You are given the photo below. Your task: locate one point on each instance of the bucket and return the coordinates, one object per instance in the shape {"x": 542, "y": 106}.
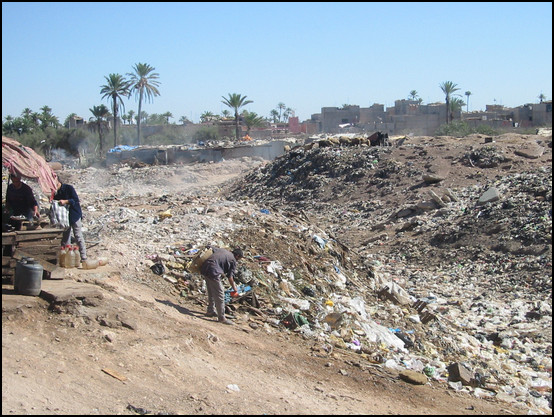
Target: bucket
{"x": 29, "y": 282}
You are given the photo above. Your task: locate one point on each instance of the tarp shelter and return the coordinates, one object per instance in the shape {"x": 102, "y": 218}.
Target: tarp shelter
{"x": 24, "y": 161}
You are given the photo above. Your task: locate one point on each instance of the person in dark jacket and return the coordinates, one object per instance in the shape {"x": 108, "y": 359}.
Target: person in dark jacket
{"x": 222, "y": 263}
{"x": 66, "y": 195}
{"x": 20, "y": 201}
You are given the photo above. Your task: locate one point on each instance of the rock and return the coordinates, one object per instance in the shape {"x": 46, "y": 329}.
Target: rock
{"x": 489, "y": 196}
{"x": 432, "y": 178}
{"x": 530, "y": 150}
{"x": 459, "y": 373}
{"x": 413, "y": 377}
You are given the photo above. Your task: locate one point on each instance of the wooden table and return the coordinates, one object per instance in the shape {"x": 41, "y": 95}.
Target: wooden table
{"x": 41, "y": 244}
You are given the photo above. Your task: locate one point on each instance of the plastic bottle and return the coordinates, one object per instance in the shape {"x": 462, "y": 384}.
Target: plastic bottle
{"x": 90, "y": 263}
{"x": 77, "y": 256}
{"x": 69, "y": 256}
{"x": 61, "y": 256}
{"x": 73, "y": 257}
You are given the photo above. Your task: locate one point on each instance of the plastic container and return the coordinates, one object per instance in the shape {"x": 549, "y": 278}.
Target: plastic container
{"x": 68, "y": 260}
{"x": 90, "y": 264}
{"x": 77, "y": 256}
{"x": 70, "y": 257}
{"x": 30, "y": 280}
{"x": 18, "y": 273}
{"x": 61, "y": 256}
{"x": 73, "y": 257}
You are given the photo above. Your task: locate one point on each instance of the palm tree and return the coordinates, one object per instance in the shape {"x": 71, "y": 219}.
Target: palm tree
{"x": 27, "y": 120}
{"x": 448, "y": 88}
{"x": 236, "y": 101}
{"x": 35, "y": 117}
{"x": 116, "y": 88}
{"x": 68, "y": 119}
{"x": 456, "y": 105}
{"x": 131, "y": 116}
{"x": 281, "y": 107}
{"x": 288, "y": 111}
{"x": 47, "y": 118}
{"x": 26, "y": 113}
{"x": 467, "y": 93}
{"x": 541, "y": 97}
{"x": 252, "y": 120}
{"x": 207, "y": 116}
{"x": 144, "y": 81}
{"x": 142, "y": 117}
{"x": 226, "y": 114}
{"x": 167, "y": 115}
{"x": 45, "y": 109}
{"x": 99, "y": 122}
{"x": 274, "y": 114}
{"x": 413, "y": 95}
{"x": 7, "y": 125}
{"x": 184, "y": 120}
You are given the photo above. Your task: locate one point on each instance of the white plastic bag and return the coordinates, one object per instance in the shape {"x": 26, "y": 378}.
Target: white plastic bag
{"x": 59, "y": 215}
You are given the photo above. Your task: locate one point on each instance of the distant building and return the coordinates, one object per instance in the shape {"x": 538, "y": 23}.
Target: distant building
{"x": 226, "y": 127}
{"x": 294, "y": 125}
{"x": 410, "y": 116}
{"x": 76, "y": 121}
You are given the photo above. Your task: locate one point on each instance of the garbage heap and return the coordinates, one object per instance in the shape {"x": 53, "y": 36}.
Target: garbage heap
{"x": 450, "y": 324}
{"x": 455, "y": 286}
{"x": 462, "y": 291}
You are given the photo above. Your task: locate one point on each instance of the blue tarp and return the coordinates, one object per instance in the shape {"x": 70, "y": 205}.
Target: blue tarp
{"x": 121, "y": 148}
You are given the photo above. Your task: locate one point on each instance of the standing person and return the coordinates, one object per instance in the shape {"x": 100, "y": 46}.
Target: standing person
{"x": 221, "y": 263}
{"x": 66, "y": 195}
{"x": 20, "y": 200}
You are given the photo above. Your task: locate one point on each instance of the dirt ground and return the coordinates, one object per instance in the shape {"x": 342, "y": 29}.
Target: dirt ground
{"x": 135, "y": 346}
{"x": 175, "y": 361}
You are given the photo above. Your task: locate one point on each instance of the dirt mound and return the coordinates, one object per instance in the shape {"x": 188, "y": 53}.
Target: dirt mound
{"x": 426, "y": 193}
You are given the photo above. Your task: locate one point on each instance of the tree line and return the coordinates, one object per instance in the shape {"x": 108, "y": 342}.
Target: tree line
{"x": 143, "y": 83}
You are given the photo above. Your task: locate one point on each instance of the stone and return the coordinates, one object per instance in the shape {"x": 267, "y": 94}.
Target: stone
{"x": 413, "y": 377}
{"x": 459, "y": 373}
{"x": 489, "y": 196}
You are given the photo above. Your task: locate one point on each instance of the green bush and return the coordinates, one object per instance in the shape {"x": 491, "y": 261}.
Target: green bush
{"x": 486, "y": 130}
{"x": 205, "y": 134}
{"x": 460, "y": 129}
{"x": 41, "y": 141}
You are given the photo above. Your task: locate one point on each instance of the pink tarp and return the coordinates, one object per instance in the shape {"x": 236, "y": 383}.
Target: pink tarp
{"x": 25, "y": 162}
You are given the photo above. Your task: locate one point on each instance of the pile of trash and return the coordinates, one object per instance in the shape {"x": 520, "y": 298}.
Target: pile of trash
{"x": 450, "y": 325}
{"x": 466, "y": 278}
{"x": 455, "y": 287}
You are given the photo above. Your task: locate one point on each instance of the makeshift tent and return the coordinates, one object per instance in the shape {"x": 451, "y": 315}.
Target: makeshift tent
{"x": 24, "y": 161}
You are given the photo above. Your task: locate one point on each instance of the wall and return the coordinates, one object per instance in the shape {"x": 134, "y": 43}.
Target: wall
{"x": 172, "y": 154}
{"x": 332, "y": 117}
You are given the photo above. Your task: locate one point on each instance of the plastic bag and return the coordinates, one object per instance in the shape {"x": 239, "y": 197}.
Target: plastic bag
{"x": 59, "y": 215}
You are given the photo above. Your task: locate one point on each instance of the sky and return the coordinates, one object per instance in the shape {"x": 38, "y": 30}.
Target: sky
{"x": 306, "y": 55}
